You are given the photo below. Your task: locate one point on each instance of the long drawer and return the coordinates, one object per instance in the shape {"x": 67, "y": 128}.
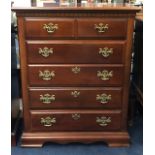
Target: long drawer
{"x": 75, "y": 120}
{"x": 79, "y": 98}
{"x": 79, "y": 51}
{"x": 49, "y": 27}
{"x": 75, "y": 75}
{"x": 105, "y": 28}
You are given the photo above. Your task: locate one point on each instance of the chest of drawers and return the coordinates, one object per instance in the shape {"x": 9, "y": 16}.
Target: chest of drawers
{"x": 75, "y": 67}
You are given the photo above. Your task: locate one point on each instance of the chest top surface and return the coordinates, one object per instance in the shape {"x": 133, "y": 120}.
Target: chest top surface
{"x": 75, "y": 7}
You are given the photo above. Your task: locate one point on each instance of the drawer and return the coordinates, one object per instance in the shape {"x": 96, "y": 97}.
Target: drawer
{"x": 75, "y": 75}
{"x": 75, "y": 98}
{"x": 48, "y": 27}
{"x": 75, "y": 120}
{"x": 107, "y": 28}
{"x": 72, "y": 51}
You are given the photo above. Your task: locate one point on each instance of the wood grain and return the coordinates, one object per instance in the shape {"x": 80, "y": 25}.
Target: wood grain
{"x": 76, "y": 51}
{"x": 112, "y": 139}
{"x": 65, "y": 121}
{"x": 116, "y": 28}
{"x": 86, "y": 98}
{"x": 64, "y": 76}
{"x": 34, "y": 28}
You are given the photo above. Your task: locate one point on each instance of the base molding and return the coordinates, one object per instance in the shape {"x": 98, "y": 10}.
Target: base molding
{"x": 112, "y": 139}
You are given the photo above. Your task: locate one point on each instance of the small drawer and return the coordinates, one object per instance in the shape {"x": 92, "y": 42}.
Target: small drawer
{"x": 76, "y": 51}
{"x": 48, "y": 28}
{"x": 75, "y": 120}
{"x": 69, "y": 98}
{"x": 107, "y": 28}
{"x": 75, "y": 75}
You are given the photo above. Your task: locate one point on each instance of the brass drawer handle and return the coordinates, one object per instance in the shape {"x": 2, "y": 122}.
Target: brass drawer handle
{"x": 105, "y": 52}
{"x": 103, "y": 98}
{"x": 50, "y": 28}
{"x": 48, "y": 121}
{"x": 76, "y": 116}
{"x": 104, "y": 75}
{"x": 46, "y": 75}
{"x": 47, "y": 98}
{"x": 75, "y": 93}
{"x": 45, "y": 52}
{"x": 103, "y": 121}
{"x": 101, "y": 27}
{"x": 76, "y": 70}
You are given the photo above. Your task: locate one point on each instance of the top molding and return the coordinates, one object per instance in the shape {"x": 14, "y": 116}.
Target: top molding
{"x": 119, "y": 7}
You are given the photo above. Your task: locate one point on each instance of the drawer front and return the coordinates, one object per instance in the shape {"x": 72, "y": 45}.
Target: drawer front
{"x": 113, "y": 28}
{"x": 48, "y": 28}
{"x": 76, "y": 98}
{"x": 75, "y": 51}
{"x": 75, "y": 120}
{"x": 75, "y": 75}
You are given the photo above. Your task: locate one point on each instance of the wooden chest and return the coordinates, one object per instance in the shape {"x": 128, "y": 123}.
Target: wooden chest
{"x": 75, "y": 69}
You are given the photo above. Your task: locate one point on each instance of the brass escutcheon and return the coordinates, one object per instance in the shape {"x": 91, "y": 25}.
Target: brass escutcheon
{"x": 48, "y": 121}
{"x": 45, "y": 52}
{"x": 50, "y": 28}
{"x": 75, "y": 93}
{"x": 76, "y": 116}
{"x": 104, "y": 75}
{"x": 105, "y": 52}
{"x": 47, "y": 98}
{"x": 101, "y": 27}
{"x": 103, "y": 98}
{"x": 46, "y": 75}
{"x": 103, "y": 121}
{"x": 76, "y": 70}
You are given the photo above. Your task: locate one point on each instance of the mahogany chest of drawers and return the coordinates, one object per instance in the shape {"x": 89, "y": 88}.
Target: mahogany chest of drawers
{"x": 75, "y": 67}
